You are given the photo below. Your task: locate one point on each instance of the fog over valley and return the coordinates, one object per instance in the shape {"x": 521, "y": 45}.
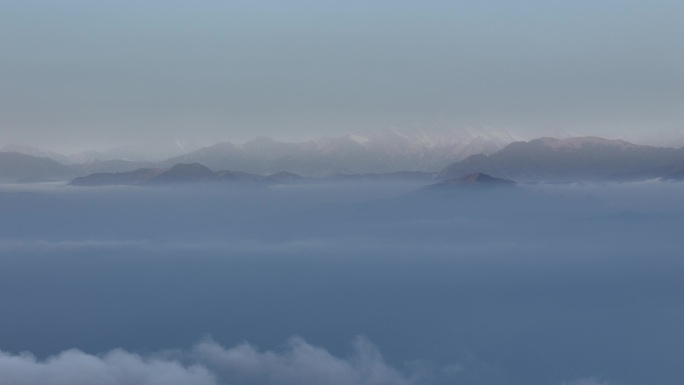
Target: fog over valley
{"x": 384, "y": 192}
{"x": 354, "y": 282}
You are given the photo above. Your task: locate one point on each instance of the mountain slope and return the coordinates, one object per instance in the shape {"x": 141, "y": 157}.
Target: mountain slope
{"x": 375, "y": 151}
{"x": 135, "y": 177}
{"x": 550, "y": 159}
{"x": 17, "y": 167}
{"x": 476, "y": 184}
{"x": 475, "y": 180}
{"x": 179, "y": 174}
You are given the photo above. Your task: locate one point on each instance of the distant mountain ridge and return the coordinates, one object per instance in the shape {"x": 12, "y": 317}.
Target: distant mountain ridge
{"x": 573, "y": 159}
{"x": 476, "y": 179}
{"x": 385, "y": 156}
{"x": 375, "y": 151}
{"x": 182, "y": 173}
{"x": 192, "y": 173}
{"x": 142, "y": 152}
{"x": 372, "y": 151}
{"x": 18, "y": 167}
{"x": 475, "y": 183}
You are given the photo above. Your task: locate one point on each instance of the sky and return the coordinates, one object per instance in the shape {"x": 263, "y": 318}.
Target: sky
{"x": 83, "y": 74}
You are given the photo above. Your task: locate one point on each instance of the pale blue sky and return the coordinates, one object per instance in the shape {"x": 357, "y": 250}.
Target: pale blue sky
{"x": 79, "y": 74}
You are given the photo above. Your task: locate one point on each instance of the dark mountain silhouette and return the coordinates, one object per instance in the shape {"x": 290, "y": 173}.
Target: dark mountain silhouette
{"x": 544, "y": 159}
{"x": 562, "y": 160}
{"x": 111, "y": 166}
{"x": 17, "y": 167}
{"x": 475, "y": 180}
{"x": 465, "y": 196}
{"x": 476, "y": 184}
{"x": 178, "y": 174}
{"x": 476, "y": 188}
{"x": 136, "y": 177}
{"x": 184, "y": 173}
{"x": 198, "y": 173}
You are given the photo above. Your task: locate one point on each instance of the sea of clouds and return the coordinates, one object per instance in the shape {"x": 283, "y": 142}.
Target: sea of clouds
{"x": 547, "y": 284}
{"x": 207, "y": 363}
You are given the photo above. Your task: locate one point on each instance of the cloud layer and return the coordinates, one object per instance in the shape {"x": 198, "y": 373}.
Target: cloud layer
{"x": 547, "y": 287}
{"x": 208, "y": 363}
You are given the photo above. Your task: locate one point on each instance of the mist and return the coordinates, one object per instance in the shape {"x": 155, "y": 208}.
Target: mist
{"x": 342, "y": 283}
{"x": 82, "y": 76}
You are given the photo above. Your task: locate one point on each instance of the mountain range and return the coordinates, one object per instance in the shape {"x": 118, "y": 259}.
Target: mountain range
{"x": 185, "y": 173}
{"x": 139, "y": 153}
{"x": 378, "y": 155}
{"x": 181, "y": 173}
{"x": 374, "y": 151}
{"x": 18, "y": 167}
{"x": 573, "y": 159}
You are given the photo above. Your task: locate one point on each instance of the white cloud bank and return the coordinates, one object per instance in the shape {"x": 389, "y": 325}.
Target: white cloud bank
{"x": 74, "y": 367}
{"x": 207, "y": 364}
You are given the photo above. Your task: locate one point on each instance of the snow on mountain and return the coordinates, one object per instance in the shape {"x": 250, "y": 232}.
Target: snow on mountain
{"x": 372, "y": 151}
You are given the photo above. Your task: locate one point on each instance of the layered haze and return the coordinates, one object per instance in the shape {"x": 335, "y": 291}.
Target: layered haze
{"x": 341, "y": 193}
{"x": 82, "y": 75}
{"x": 343, "y": 283}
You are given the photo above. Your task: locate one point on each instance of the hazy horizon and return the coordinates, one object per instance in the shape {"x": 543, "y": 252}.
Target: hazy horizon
{"x": 414, "y": 252}
{"x": 190, "y": 143}
{"x": 82, "y": 75}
